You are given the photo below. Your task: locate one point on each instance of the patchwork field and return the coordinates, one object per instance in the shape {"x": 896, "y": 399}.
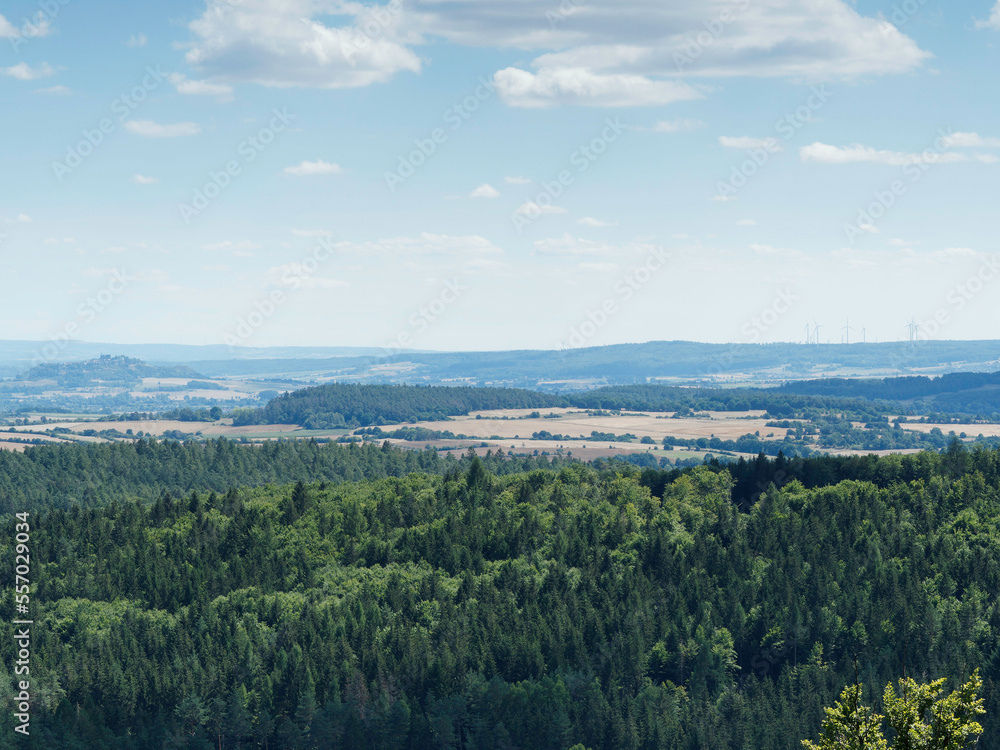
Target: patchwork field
{"x": 561, "y": 431}
{"x": 577, "y": 424}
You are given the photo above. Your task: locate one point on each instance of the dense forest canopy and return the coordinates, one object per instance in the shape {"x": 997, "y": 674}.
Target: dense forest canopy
{"x": 720, "y": 607}
{"x": 348, "y": 404}
{"x": 105, "y": 369}
{"x": 61, "y": 476}
{"x": 353, "y": 405}
{"x": 960, "y": 392}
{"x": 341, "y": 405}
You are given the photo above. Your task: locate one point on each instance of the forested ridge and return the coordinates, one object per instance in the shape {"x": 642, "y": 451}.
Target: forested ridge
{"x": 60, "y": 476}
{"x": 896, "y": 389}
{"x": 351, "y": 405}
{"x": 479, "y": 608}
{"x": 348, "y": 404}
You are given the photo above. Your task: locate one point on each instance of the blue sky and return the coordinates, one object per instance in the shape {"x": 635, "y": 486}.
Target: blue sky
{"x": 474, "y": 174}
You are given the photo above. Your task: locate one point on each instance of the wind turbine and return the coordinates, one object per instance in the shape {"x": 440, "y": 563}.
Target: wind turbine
{"x": 847, "y": 331}
{"x": 914, "y": 327}
{"x": 816, "y": 327}
{"x": 808, "y": 335}
{"x": 864, "y": 335}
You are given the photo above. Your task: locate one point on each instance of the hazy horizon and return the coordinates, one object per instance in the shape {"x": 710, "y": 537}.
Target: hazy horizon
{"x": 420, "y": 171}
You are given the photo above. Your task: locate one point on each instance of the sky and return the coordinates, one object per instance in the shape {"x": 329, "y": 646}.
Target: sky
{"x": 498, "y": 174}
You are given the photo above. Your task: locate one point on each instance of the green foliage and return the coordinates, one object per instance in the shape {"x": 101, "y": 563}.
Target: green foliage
{"x": 923, "y": 720}
{"x": 350, "y": 405}
{"x": 95, "y": 474}
{"x": 493, "y": 604}
{"x": 850, "y": 725}
{"x": 920, "y": 718}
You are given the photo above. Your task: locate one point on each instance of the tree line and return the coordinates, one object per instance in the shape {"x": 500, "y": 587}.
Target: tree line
{"x": 490, "y": 606}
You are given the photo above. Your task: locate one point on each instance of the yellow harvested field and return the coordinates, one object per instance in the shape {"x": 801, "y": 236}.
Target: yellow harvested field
{"x": 18, "y": 447}
{"x": 158, "y": 427}
{"x": 972, "y": 430}
{"x": 727, "y": 426}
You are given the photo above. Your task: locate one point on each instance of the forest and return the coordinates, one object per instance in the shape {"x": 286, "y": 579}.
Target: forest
{"x": 104, "y": 369}
{"x": 975, "y": 393}
{"x": 350, "y": 405}
{"x": 341, "y": 405}
{"x": 323, "y": 596}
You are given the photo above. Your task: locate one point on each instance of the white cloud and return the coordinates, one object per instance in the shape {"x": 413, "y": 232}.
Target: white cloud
{"x": 426, "y": 243}
{"x": 746, "y": 223}
{"x": 770, "y": 250}
{"x": 533, "y": 209}
{"x": 900, "y": 242}
{"x": 677, "y": 125}
{"x": 31, "y": 29}
{"x": 598, "y": 267}
{"x": 282, "y": 43}
{"x": 485, "y": 191}
{"x": 229, "y": 245}
{"x": 94, "y": 271}
{"x": 822, "y": 153}
{"x": 614, "y": 53}
{"x": 24, "y": 218}
{"x": 300, "y": 276}
{"x": 310, "y": 168}
{"x": 986, "y": 158}
{"x": 969, "y": 140}
{"x": 139, "y": 179}
{"x": 568, "y": 245}
{"x": 7, "y": 30}
{"x": 746, "y": 141}
{"x": 137, "y": 40}
{"x": 150, "y": 129}
{"x": 549, "y": 87}
{"x": 993, "y": 22}
{"x": 221, "y": 91}
{"x": 24, "y": 72}
{"x": 634, "y": 45}
{"x": 590, "y": 221}
{"x": 54, "y": 91}
{"x": 312, "y": 233}
{"x": 517, "y": 180}
{"x": 216, "y": 268}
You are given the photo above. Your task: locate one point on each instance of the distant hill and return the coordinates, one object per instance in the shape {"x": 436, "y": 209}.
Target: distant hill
{"x": 957, "y": 393}
{"x": 630, "y": 363}
{"x": 344, "y": 404}
{"x": 107, "y": 370}
{"x": 617, "y": 364}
